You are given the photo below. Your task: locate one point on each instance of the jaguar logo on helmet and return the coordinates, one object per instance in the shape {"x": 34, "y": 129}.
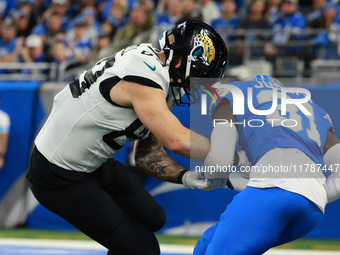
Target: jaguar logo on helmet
{"x": 203, "y": 49}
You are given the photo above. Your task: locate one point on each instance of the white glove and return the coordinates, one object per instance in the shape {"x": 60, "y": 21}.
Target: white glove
{"x": 195, "y": 180}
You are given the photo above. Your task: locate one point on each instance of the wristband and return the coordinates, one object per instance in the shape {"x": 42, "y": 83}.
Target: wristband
{"x": 180, "y": 175}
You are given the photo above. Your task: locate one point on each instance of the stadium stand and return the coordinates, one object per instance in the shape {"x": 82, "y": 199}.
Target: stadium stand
{"x": 288, "y": 34}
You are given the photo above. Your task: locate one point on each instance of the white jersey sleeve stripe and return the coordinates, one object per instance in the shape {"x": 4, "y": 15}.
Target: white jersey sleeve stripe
{"x": 143, "y": 81}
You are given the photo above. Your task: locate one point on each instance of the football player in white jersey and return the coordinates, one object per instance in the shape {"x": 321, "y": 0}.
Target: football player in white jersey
{"x": 127, "y": 96}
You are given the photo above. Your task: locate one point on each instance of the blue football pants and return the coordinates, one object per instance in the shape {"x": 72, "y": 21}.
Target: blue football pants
{"x": 257, "y": 220}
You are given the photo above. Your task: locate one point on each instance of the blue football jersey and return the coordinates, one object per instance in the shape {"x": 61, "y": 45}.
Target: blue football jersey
{"x": 259, "y": 134}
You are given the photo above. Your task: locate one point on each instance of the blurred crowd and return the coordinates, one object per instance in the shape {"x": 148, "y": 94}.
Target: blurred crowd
{"x": 72, "y": 33}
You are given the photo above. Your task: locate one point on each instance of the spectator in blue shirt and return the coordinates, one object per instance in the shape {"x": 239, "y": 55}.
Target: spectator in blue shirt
{"x": 89, "y": 16}
{"x": 256, "y": 19}
{"x": 33, "y": 52}
{"x": 138, "y": 29}
{"x": 39, "y": 8}
{"x": 58, "y": 56}
{"x": 254, "y": 23}
{"x": 109, "y": 27}
{"x": 287, "y": 29}
{"x": 5, "y": 7}
{"x": 326, "y": 41}
{"x": 314, "y": 17}
{"x": 21, "y": 21}
{"x": 27, "y": 7}
{"x": 79, "y": 43}
{"x": 229, "y": 21}
{"x": 10, "y": 45}
{"x": 191, "y": 11}
{"x": 273, "y": 11}
{"x": 115, "y": 10}
{"x": 210, "y": 10}
{"x": 50, "y": 31}
{"x": 290, "y": 23}
{"x": 103, "y": 47}
{"x": 58, "y": 53}
{"x": 51, "y": 26}
{"x": 60, "y": 7}
{"x": 175, "y": 12}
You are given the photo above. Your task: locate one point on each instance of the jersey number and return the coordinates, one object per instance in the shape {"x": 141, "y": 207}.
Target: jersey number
{"x": 130, "y": 133}
{"x": 91, "y": 76}
{"x": 266, "y": 96}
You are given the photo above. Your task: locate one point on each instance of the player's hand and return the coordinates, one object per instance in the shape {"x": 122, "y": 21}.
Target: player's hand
{"x": 195, "y": 180}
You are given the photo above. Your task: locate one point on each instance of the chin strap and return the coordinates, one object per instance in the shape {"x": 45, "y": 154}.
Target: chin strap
{"x": 188, "y": 67}
{"x": 169, "y": 56}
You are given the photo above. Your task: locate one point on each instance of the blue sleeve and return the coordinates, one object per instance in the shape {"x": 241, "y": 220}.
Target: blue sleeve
{"x": 216, "y": 23}
{"x": 327, "y": 118}
{"x": 39, "y": 30}
{"x": 299, "y": 23}
{"x": 9, "y": 7}
{"x": 321, "y": 39}
{"x": 236, "y": 22}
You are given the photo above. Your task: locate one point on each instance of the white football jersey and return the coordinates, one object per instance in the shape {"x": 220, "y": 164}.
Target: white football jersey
{"x": 85, "y": 127}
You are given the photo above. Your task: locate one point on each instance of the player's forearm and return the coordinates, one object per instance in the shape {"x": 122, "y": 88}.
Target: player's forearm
{"x": 224, "y": 139}
{"x": 188, "y": 144}
{"x": 151, "y": 157}
{"x": 199, "y": 146}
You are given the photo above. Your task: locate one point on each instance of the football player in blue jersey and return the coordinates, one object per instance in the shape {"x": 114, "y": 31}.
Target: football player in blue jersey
{"x": 287, "y": 189}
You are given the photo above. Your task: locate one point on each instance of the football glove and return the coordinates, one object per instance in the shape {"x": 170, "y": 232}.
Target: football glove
{"x": 195, "y": 180}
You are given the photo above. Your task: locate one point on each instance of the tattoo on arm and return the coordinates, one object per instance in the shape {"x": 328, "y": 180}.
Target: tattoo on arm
{"x": 155, "y": 161}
